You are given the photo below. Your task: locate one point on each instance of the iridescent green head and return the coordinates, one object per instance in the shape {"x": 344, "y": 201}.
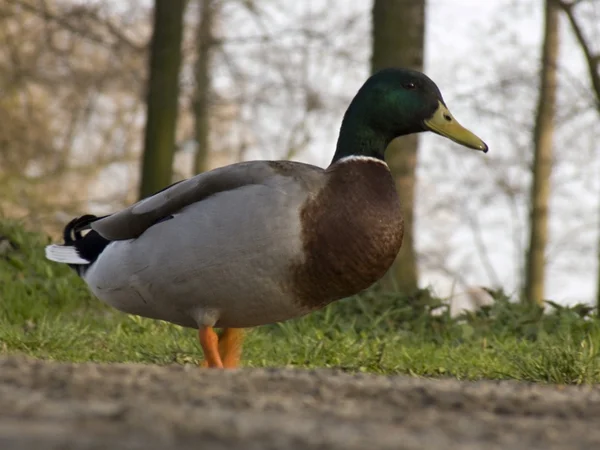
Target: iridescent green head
{"x": 397, "y": 102}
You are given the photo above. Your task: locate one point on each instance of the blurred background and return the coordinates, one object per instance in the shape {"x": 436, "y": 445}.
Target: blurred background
{"x": 104, "y": 101}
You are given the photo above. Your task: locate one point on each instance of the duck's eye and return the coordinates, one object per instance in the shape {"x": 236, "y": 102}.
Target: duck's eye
{"x": 410, "y": 86}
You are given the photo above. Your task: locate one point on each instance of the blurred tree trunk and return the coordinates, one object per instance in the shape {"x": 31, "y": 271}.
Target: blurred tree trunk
{"x": 162, "y": 96}
{"x": 542, "y": 160}
{"x": 593, "y": 62}
{"x": 204, "y": 39}
{"x": 398, "y": 40}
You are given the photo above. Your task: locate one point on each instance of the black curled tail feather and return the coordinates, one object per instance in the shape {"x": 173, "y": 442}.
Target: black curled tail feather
{"x": 88, "y": 246}
{"x": 72, "y": 231}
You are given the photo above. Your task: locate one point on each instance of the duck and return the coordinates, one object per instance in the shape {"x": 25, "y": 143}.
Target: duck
{"x": 264, "y": 241}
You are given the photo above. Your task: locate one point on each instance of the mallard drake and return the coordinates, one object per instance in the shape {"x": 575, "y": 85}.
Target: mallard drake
{"x": 260, "y": 242}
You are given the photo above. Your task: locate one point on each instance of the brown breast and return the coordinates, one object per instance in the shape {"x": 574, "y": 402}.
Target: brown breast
{"x": 351, "y": 232}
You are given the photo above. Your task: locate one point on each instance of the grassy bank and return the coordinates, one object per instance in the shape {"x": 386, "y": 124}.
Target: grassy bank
{"x": 46, "y": 312}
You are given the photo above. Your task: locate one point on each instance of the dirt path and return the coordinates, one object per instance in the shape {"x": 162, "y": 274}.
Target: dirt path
{"x": 58, "y": 406}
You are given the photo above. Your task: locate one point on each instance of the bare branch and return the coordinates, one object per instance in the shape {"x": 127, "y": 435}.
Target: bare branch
{"x": 84, "y": 31}
{"x": 593, "y": 60}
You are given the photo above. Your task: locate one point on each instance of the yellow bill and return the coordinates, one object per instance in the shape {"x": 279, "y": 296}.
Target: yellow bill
{"x": 444, "y": 124}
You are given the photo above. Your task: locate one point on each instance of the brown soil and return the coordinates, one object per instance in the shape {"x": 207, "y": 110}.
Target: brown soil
{"x": 46, "y": 405}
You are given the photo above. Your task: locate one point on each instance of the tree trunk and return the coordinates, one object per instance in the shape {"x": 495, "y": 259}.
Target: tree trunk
{"x": 162, "y": 96}
{"x": 204, "y": 40}
{"x": 593, "y": 62}
{"x": 398, "y": 40}
{"x": 542, "y": 162}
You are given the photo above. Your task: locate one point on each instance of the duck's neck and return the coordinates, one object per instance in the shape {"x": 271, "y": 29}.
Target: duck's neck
{"x": 359, "y": 139}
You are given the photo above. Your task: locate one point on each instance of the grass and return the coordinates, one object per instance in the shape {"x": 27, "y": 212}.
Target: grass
{"x": 47, "y": 312}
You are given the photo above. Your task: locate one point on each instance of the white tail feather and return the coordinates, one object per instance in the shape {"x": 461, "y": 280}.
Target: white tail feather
{"x": 64, "y": 254}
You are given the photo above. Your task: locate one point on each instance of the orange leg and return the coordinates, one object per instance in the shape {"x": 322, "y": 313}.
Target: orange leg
{"x": 230, "y": 347}
{"x": 210, "y": 346}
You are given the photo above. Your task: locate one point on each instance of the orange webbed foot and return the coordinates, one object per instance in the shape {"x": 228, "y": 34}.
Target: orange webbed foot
{"x": 221, "y": 352}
